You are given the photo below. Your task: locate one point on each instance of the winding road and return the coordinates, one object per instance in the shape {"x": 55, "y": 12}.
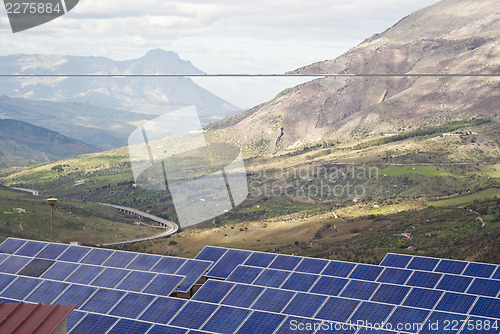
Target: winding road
{"x": 170, "y": 227}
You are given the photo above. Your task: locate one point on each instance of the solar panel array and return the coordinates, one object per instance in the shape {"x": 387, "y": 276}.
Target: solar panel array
{"x": 251, "y": 292}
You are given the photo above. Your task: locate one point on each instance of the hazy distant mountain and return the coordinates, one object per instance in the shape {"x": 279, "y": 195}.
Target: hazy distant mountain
{"x": 453, "y": 36}
{"x": 136, "y": 94}
{"x": 23, "y": 144}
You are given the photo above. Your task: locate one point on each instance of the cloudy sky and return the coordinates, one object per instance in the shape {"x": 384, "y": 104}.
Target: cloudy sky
{"x": 217, "y": 36}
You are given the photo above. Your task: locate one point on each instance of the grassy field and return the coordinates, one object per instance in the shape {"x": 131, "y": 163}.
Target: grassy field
{"x": 430, "y": 171}
{"x": 489, "y": 193}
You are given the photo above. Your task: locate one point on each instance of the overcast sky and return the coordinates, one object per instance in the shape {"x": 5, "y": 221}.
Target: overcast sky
{"x": 217, "y": 36}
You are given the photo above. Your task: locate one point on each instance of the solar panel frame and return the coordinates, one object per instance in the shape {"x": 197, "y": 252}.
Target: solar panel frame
{"x": 193, "y": 315}
{"x": 396, "y": 260}
{"x": 451, "y": 266}
{"x": 95, "y": 324}
{"x": 136, "y": 281}
{"x": 285, "y": 262}
{"x": 47, "y": 291}
{"x": 272, "y": 278}
{"x": 144, "y": 262}
{"x": 298, "y": 281}
{"x": 74, "y": 253}
{"x": 292, "y": 324}
{"x": 496, "y": 274}
{"x": 338, "y": 269}
{"x": 394, "y": 275}
{"x": 242, "y": 295}
{"x": 162, "y": 310}
{"x": 414, "y": 318}
{"x": 228, "y": 262}
{"x": 13, "y": 264}
{"x": 359, "y": 290}
{"x": 476, "y": 325}
{"x": 273, "y": 300}
{"x": 213, "y": 291}
{"x": 483, "y": 270}
{"x": 258, "y": 259}
{"x": 168, "y": 265}
{"x": 161, "y": 329}
{"x": 211, "y": 253}
{"x": 60, "y": 270}
{"x": 311, "y": 265}
{"x": 74, "y": 318}
{"x": 75, "y": 294}
{"x": 84, "y": 274}
{"x": 366, "y": 272}
{"x": 52, "y": 251}
{"x": 486, "y": 307}
{"x": 424, "y": 279}
{"x": 484, "y": 287}
{"x": 371, "y": 312}
{"x": 337, "y": 309}
{"x": 97, "y": 256}
{"x": 163, "y": 284}
{"x": 120, "y": 259}
{"x": 36, "y": 267}
{"x": 11, "y": 245}
{"x": 110, "y": 277}
{"x": 454, "y": 283}
{"x": 261, "y": 322}
{"x": 244, "y": 274}
{"x": 390, "y": 294}
{"x": 328, "y": 285}
{"x": 103, "y": 300}
{"x": 6, "y": 280}
{"x": 193, "y": 270}
{"x": 130, "y": 327}
{"x": 422, "y": 298}
{"x": 443, "y": 321}
{"x": 21, "y": 287}
{"x": 456, "y": 302}
{"x": 226, "y": 320}
{"x": 31, "y": 248}
{"x": 423, "y": 263}
{"x": 304, "y": 304}
{"x": 132, "y": 305}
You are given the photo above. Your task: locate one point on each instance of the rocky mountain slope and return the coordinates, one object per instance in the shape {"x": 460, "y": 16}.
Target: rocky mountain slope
{"x": 451, "y": 37}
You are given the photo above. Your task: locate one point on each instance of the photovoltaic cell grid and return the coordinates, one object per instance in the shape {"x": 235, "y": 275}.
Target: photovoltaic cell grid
{"x": 65, "y": 256}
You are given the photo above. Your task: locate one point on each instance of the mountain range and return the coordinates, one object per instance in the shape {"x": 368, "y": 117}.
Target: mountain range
{"x": 451, "y": 37}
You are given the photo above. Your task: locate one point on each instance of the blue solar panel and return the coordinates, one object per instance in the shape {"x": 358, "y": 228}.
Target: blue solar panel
{"x": 226, "y": 320}
{"x": 52, "y": 251}
{"x": 390, "y": 294}
{"x": 74, "y": 317}
{"x": 455, "y": 302}
{"x": 479, "y": 270}
{"x": 285, "y": 262}
{"x": 487, "y": 307}
{"x": 300, "y": 282}
{"x": 10, "y": 246}
{"x": 132, "y": 305}
{"x": 424, "y": 279}
{"x": 3, "y": 257}
{"x": 299, "y": 325}
{"x": 210, "y": 253}
{"x": 159, "y": 329}
{"x": 47, "y": 292}
{"x": 272, "y": 278}
{"x": 97, "y": 256}
{"x": 162, "y": 310}
{"x": 244, "y": 274}
{"x": 372, "y": 313}
{"x": 6, "y": 280}
{"x": 242, "y": 295}
{"x": 144, "y": 262}
{"x": 373, "y": 330}
{"x": 110, "y": 277}
{"x": 485, "y": 287}
{"x": 231, "y": 259}
{"x": 451, "y": 267}
{"x": 213, "y": 291}
{"x": 119, "y": 259}
{"x": 75, "y": 294}
{"x": 74, "y": 253}
{"x": 359, "y": 290}
{"x": 36, "y": 267}
{"x": 477, "y": 325}
{"x": 163, "y": 285}
{"x": 130, "y": 327}
{"x": 496, "y": 275}
{"x": 21, "y": 288}
{"x": 454, "y": 283}
{"x": 60, "y": 270}
{"x": 136, "y": 281}
{"x": 337, "y": 309}
{"x": 95, "y": 324}
{"x": 193, "y": 315}
{"x": 394, "y": 276}
{"x": 31, "y": 248}
{"x": 423, "y": 298}
{"x": 439, "y": 322}
{"x": 304, "y": 304}
{"x": 337, "y": 268}
{"x": 411, "y": 318}
{"x": 13, "y": 264}
{"x": 329, "y": 285}
{"x": 168, "y": 265}
{"x": 84, "y": 274}
{"x": 396, "y": 260}
{"x": 273, "y": 300}
{"x": 260, "y": 322}
{"x": 102, "y": 301}
{"x": 366, "y": 272}
{"x": 312, "y": 266}
{"x": 193, "y": 270}
{"x": 260, "y": 259}
{"x": 423, "y": 263}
